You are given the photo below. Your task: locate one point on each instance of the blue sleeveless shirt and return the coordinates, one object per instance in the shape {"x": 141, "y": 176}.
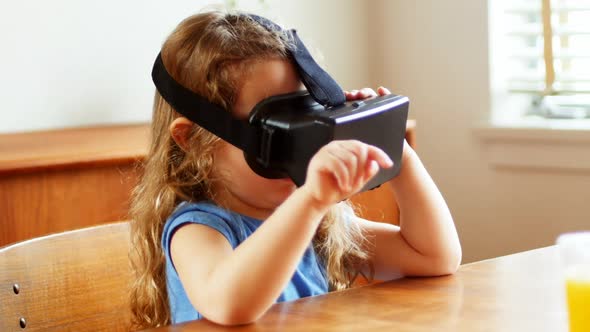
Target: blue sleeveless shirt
{"x": 308, "y": 279}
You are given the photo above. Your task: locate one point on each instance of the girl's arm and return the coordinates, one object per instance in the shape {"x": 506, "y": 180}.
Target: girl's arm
{"x": 237, "y": 286}
{"x": 426, "y": 241}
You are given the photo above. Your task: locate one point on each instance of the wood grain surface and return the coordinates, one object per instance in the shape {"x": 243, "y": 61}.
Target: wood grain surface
{"x": 517, "y": 293}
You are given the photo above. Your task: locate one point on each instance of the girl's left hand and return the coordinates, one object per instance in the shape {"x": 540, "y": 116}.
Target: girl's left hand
{"x": 365, "y": 93}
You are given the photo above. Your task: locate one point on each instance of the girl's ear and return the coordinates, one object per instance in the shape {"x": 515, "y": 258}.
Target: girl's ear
{"x": 180, "y": 130}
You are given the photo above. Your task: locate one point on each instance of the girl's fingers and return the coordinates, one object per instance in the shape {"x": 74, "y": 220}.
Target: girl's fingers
{"x": 380, "y": 157}
{"x": 371, "y": 171}
{"x": 340, "y": 169}
{"x": 360, "y": 94}
{"x": 367, "y": 92}
{"x": 353, "y": 156}
{"x": 352, "y": 95}
{"x": 382, "y": 91}
{"x": 359, "y": 152}
{"x": 362, "y": 161}
{"x": 350, "y": 162}
{"x": 349, "y": 96}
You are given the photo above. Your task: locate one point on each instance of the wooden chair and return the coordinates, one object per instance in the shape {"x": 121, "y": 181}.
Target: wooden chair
{"x": 71, "y": 281}
{"x": 377, "y": 205}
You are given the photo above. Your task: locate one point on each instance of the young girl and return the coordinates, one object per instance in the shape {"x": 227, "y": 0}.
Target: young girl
{"x": 213, "y": 239}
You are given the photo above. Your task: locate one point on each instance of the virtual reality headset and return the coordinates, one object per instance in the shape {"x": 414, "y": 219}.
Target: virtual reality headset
{"x": 283, "y": 132}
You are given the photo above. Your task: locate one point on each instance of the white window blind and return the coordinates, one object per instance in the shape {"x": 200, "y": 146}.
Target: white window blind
{"x": 548, "y": 46}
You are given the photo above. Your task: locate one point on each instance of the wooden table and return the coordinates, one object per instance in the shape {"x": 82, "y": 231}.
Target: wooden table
{"x": 521, "y": 292}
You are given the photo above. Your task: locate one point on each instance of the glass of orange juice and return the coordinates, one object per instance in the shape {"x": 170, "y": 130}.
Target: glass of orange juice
{"x": 574, "y": 251}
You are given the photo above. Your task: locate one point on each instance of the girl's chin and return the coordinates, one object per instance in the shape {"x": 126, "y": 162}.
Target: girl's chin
{"x": 284, "y": 186}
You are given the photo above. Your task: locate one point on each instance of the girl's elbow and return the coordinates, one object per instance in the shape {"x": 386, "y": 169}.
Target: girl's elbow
{"x": 450, "y": 263}
{"x": 232, "y": 316}
{"x": 453, "y": 266}
{"x": 457, "y": 257}
{"x": 234, "y": 319}
{"x": 225, "y": 308}
{"x": 442, "y": 264}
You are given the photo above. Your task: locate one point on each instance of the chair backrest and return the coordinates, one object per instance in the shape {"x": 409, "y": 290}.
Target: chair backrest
{"x": 378, "y": 204}
{"x": 72, "y": 281}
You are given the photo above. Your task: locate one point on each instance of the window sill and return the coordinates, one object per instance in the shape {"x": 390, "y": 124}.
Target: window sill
{"x": 551, "y": 144}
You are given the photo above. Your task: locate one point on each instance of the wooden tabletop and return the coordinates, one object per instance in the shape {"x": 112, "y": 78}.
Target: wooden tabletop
{"x": 520, "y": 292}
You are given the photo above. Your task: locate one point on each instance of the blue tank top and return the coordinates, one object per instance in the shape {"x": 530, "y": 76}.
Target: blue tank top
{"x": 308, "y": 279}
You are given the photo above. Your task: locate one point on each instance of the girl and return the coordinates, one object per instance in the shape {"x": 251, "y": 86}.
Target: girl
{"x": 213, "y": 239}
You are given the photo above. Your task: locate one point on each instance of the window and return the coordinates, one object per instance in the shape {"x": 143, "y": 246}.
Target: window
{"x": 541, "y": 55}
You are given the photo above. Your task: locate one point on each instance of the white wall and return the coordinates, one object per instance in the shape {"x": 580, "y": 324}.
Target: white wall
{"x": 436, "y": 53}
{"x": 71, "y": 63}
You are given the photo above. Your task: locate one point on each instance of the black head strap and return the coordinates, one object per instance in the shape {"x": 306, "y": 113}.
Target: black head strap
{"x": 203, "y": 112}
{"x": 322, "y": 87}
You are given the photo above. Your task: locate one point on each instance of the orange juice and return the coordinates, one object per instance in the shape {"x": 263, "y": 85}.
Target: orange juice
{"x": 578, "y": 300}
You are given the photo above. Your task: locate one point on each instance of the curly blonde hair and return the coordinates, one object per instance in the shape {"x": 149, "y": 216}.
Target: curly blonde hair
{"x": 206, "y": 53}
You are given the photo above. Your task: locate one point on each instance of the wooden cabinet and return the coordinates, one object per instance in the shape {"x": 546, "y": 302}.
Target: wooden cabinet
{"x": 66, "y": 179}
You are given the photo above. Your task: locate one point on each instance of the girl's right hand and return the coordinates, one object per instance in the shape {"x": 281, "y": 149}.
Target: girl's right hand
{"x": 341, "y": 168}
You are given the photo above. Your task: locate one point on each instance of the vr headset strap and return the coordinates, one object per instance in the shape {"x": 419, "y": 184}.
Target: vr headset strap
{"x": 208, "y": 115}
{"x": 322, "y": 87}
